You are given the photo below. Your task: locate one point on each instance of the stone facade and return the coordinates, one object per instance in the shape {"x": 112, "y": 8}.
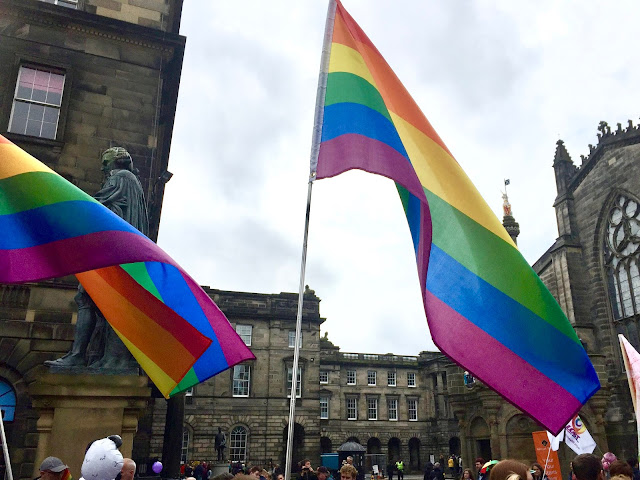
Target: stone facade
{"x": 327, "y": 378}
{"x": 119, "y": 63}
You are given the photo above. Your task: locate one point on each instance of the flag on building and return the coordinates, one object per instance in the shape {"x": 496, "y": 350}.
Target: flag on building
{"x": 477, "y": 288}
{"x": 50, "y": 228}
{"x": 578, "y": 438}
{"x": 631, "y": 359}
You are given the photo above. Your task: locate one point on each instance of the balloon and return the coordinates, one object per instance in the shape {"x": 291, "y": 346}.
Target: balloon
{"x": 157, "y": 467}
{"x": 102, "y": 461}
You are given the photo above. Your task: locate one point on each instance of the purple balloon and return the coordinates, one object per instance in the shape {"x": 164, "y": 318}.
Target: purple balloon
{"x": 157, "y": 467}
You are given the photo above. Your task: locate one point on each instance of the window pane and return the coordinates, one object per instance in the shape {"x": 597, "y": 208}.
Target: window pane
{"x": 19, "y": 118}
{"x": 48, "y": 130}
{"x": 292, "y": 339}
{"x": 324, "y": 376}
{"x": 372, "y": 408}
{"x": 298, "y": 382}
{"x": 245, "y": 332}
{"x": 351, "y": 377}
{"x": 33, "y": 128}
{"x": 393, "y": 408}
{"x": 371, "y": 377}
{"x": 352, "y": 410}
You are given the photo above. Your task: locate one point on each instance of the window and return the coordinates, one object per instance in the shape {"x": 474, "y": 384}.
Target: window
{"x": 352, "y": 408}
{"x": 36, "y": 102}
{"x": 298, "y": 382}
{"x": 63, "y": 3}
{"x": 184, "y": 452}
{"x": 411, "y": 379}
{"x": 351, "y": 356}
{"x": 392, "y": 408}
{"x": 369, "y": 356}
{"x": 241, "y": 380}
{"x": 324, "y": 376}
{"x": 7, "y": 401}
{"x": 371, "y": 378}
{"x": 413, "y": 409}
{"x": 324, "y": 408}
{"x": 351, "y": 377}
{"x": 292, "y": 339}
{"x": 372, "y": 408}
{"x": 245, "y": 332}
{"x": 238, "y": 445}
{"x": 391, "y": 379}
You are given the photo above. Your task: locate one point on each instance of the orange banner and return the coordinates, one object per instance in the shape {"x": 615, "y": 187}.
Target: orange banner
{"x": 543, "y": 450}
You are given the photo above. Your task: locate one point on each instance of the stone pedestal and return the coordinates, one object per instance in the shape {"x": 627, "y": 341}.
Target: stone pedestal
{"x": 218, "y": 468}
{"x": 76, "y": 409}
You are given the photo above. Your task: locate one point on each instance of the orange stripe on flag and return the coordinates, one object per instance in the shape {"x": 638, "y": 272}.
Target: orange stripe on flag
{"x": 141, "y": 330}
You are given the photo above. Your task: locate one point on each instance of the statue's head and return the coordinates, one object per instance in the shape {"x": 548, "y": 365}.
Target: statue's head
{"x": 116, "y": 158}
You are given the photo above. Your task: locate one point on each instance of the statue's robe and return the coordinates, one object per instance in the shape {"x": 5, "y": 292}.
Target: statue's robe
{"x": 122, "y": 193}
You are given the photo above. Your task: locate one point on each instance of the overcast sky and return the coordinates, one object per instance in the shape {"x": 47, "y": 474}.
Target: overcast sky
{"x": 500, "y": 81}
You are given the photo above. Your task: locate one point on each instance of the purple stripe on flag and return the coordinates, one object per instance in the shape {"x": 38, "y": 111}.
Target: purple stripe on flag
{"x": 351, "y": 151}
{"x": 78, "y": 254}
{"x": 520, "y": 383}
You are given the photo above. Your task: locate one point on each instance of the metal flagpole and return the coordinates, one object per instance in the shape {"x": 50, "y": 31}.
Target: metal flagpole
{"x": 315, "y": 146}
{"x": 5, "y": 448}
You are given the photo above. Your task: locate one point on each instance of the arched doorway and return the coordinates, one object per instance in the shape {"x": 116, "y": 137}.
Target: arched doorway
{"x": 393, "y": 450}
{"x": 325, "y": 445}
{"x": 414, "y": 453}
{"x": 481, "y": 438}
{"x": 297, "y": 452}
{"x": 374, "y": 446}
{"x": 454, "y": 446}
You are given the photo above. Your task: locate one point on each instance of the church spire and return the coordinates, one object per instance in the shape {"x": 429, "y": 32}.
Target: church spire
{"x": 508, "y": 222}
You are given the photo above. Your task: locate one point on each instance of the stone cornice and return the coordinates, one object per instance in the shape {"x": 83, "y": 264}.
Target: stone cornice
{"x": 92, "y": 24}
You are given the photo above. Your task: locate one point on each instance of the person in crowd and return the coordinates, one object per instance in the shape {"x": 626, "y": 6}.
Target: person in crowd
{"x": 349, "y": 460}
{"x": 188, "y": 470}
{"x": 509, "y": 470}
{"x": 607, "y": 459}
{"x": 52, "y": 468}
{"x": 128, "y": 469}
{"x": 348, "y": 472}
{"x": 400, "y": 469}
{"x": 390, "y": 468}
{"x": 587, "y": 467}
{"x": 198, "y": 472}
{"x": 428, "y": 471}
{"x": 619, "y": 467}
{"x": 323, "y": 473}
{"x": 280, "y": 476}
{"x": 479, "y": 463}
{"x": 437, "y": 473}
{"x": 467, "y": 474}
{"x": 223, "y": 476}
{"x": 264, "y": 475}
{"x": 633, "y": 463}
{"x": 307, "y": 472}
{"x": 537, "y": 472}
{"x": 255, "y": 472}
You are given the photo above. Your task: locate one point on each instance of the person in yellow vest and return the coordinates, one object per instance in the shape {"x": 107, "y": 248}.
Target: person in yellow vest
{"x": 451, "y": 465}
{"x": 400, "y": 469}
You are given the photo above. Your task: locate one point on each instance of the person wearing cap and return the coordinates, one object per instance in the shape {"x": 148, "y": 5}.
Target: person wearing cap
{"x": 52, "y": 468}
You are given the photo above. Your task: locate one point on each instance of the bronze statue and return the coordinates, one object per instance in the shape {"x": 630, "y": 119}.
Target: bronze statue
{"x": 121, "y": 193}
{"x": 220, "y": 443}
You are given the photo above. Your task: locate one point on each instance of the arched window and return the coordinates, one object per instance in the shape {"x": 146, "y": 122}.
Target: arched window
{"x": 621, "y": 251}
{"x": 184, "y": 452}
{"x": 7, "y": 401}
{"x": 238, "y": 442}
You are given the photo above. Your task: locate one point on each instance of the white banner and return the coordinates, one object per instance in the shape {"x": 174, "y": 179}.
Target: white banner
{"x": 578, "y": 438}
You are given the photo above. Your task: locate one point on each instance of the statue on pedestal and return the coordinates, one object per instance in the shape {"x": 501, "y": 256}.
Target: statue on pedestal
{"x": 121, "y": 193}
{"x": 220, "y": 444}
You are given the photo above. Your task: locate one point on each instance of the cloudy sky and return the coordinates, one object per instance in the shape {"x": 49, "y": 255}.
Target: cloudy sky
{"x": 500, "y": 81}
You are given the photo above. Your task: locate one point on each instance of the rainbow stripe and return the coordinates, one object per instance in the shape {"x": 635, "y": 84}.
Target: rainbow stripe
{"x": 486, "y": 308}
{"x": 50, "y": 228}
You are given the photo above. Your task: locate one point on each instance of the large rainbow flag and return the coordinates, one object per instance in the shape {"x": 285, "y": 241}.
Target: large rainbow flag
{"x": 50, "y": 228}
{"x": 486, "y": 308}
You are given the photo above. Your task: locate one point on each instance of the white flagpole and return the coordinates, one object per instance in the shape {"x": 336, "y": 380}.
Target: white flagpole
{"x": 5, "y": 448}
{"x": 315, "y": 146}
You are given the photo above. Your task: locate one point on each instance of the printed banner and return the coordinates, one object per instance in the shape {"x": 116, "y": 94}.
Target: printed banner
{"x": 543, "y": 451}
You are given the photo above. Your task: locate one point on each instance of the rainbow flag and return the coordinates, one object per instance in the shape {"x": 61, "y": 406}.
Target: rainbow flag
{"x": 486, "y": 308}
{"x": 50, "y": 228}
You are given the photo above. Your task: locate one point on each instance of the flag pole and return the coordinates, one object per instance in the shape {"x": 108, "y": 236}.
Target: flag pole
{"x": 315, "y": 148}
{"x": 5, "y": 449}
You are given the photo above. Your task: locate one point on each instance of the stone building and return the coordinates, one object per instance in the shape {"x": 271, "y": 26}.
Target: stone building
{"x": 592, "y": 271}
{"x": 77, "y": 77}
{"x": 395, "y": 406}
